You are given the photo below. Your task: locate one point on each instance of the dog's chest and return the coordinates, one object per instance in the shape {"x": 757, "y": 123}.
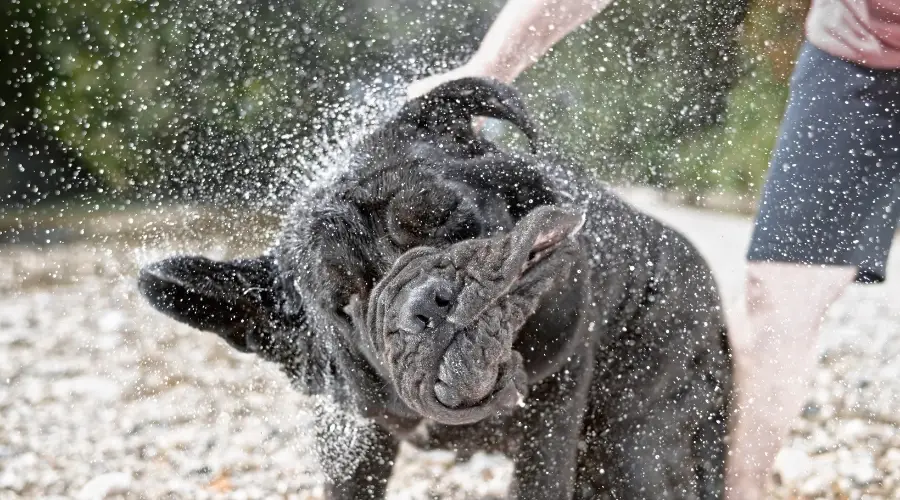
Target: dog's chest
{"x": 496, "y": 434}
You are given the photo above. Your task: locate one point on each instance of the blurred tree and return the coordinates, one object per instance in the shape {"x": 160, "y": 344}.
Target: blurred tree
{"x": 33, "y": 164}
{"x": 208, "y": 96}
{"x": 22, "y": 65}
{"x": 653, "y": 81}
{"x": 214, "y": 96}
{"x": 194, "y": 91}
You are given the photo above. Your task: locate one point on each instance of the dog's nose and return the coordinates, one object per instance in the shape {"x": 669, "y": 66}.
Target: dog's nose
{"x": 426, "y": 305}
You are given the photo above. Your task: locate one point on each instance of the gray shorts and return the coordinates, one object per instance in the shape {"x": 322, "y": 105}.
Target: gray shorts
{"x": 831, "y": 195}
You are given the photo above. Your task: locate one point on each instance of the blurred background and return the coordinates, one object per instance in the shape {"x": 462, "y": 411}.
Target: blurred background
{"x": 134, "y": 100}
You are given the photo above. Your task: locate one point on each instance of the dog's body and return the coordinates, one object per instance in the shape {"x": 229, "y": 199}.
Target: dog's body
{"x": 461, "y": 297}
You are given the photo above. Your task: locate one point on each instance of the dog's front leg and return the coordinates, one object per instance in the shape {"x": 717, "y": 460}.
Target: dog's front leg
{"x": 546, "y": 461}
{"x": 357, "y": 459}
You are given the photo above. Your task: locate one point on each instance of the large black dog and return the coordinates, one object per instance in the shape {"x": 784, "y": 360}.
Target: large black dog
{"x": 453, "y": 294}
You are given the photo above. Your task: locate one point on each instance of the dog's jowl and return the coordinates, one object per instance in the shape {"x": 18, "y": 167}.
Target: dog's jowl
{"x": 455, "y": 295}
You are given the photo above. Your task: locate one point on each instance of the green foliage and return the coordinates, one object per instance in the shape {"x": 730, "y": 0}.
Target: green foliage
{"x": 735, "y": 157}
{"x": 642, "y": 96}
{"x": 145, "y": 89}
{"x": 647, "y": 73}
{"x": 22, "y": 67}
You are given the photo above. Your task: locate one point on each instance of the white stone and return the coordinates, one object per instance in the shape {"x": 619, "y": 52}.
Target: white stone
{"x": 820, "y": 483}
{"x": 793, "y": 465}
{"x": 100, "y": 388}
{"x": 112, "y": 321}
{"x": 9, "y": 480}
{"x": 104, "y": 485}
{"x": 859, "y": 468}
{"x": 851, "y": 431}
{"x": 891, "y": 460}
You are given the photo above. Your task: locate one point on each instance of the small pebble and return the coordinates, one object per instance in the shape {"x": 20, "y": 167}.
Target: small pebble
{"x": 102, "y": 486}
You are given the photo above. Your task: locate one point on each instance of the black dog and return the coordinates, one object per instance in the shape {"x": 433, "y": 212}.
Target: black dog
{"x": 449, "y": 293}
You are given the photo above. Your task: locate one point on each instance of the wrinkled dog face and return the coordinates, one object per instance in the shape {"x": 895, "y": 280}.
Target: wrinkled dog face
{"x": 423, "y": 262}
{"x": 436, "y": 315}
{"x": 443, "y": 321}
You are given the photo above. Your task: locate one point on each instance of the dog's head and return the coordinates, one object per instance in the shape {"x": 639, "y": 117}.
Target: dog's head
{"x": 418, "y": 266}
{"x": 441, "y": 322}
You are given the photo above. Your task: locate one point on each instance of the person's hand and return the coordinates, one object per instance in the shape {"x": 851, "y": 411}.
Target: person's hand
{"x": 421, "y": 87}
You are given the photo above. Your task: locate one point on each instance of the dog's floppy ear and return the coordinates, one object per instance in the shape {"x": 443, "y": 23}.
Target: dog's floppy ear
{"x": 450, "y": 107}
{"x": 239, "y": 300}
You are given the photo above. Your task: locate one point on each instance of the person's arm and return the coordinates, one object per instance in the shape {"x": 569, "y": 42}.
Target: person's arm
{"x": 522, "y": 33}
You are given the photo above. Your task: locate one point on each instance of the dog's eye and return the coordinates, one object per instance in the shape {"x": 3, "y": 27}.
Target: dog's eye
{"x": 416, "y": 215}
{"x": 345, "y": 312}
{"x": 466, "y": 227}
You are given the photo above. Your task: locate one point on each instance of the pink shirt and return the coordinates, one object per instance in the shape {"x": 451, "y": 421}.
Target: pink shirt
{"x": 866, "y": 32}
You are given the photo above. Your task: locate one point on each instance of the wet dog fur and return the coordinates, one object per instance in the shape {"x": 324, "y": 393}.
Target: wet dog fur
{"x": 457, "y": 295}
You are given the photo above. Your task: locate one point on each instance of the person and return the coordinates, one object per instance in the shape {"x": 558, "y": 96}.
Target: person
{"x": 828, "y": 210}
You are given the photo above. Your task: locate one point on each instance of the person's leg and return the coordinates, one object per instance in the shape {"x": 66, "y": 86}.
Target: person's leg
{"x": 774, "y": 357}
{"x": 827, "y": 217}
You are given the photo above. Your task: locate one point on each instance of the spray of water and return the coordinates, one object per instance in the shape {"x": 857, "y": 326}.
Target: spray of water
{"x": 188, "y": 127}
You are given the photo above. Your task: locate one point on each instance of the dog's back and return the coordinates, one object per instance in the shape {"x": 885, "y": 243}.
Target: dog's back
{"x": 662, "y": 380}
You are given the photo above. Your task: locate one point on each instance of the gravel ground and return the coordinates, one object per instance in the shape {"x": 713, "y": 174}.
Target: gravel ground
{"x": 101, "y": 397}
